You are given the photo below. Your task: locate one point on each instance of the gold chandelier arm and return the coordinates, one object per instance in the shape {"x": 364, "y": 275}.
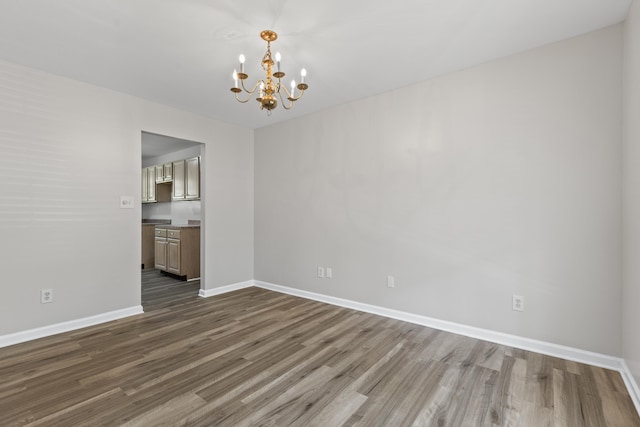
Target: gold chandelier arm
{"x": 299, "y": 96}
{"x": 289, "y": 97}
{"x": 250, "y": 92}
{"x": 284, "y": 105}
{"x": 240, "y": 100}
{"x": 236, "y": 91}
{"x": 282, "y": 88}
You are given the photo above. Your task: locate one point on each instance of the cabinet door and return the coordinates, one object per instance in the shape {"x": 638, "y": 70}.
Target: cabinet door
{"x": 145, "y": 186}
{"x": 159, "y": 173}
{"x": 151, "y": 180}
{"x": 178, "y": 180}
{"x": 173, "y": 256}
{"x": 148, "y": 247}
{"x": 192, "y": 178}
{"x": 161, "y": 253}
{"x": 167, "y": 171}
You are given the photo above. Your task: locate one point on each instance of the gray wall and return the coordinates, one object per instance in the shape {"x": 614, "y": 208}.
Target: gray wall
{"x": 68, "y": 151}
{"x": 497, "y": 180}
{"x": 631, "y": 290}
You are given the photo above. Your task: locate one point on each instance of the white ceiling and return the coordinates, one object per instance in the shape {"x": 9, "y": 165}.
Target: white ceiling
{"x": 182, "y": 52}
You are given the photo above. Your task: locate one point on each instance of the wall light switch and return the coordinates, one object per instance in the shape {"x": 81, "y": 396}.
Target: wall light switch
{"x": 321, "y": 272}
{"x": 391, "y": 282}
{"x": 329, "y": 272}
{"x": 126, "y": 202}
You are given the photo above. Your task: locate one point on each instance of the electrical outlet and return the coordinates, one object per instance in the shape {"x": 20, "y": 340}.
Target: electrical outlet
{"x": 391, "y": 282}
{"x": 329, "y": 272}
{"x": 518, "y": 303}
{"x": 46, "y": 296}
{"x": 320, "y": 272}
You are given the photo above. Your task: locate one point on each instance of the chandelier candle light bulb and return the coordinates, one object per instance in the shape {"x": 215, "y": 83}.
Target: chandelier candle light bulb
{"x": 241, "y": 58}
{"x": 269, "y": 88}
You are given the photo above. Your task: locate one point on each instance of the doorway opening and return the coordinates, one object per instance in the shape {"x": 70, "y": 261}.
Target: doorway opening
{"x": 172, "y": 200}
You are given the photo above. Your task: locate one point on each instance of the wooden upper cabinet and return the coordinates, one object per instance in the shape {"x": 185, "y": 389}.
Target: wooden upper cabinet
{"x": 159, "y": 173}
{"x": 178, "y": 180}
{"x": 192, "y": 178}
{"x": 152, "y": 190}
{"x": 167, "y": 170}
{"x": 186, "y": 179}
{"x": 164, "y": 173}
{"x": 145, "y": 186}
{"x": 148, "y": 185}
{"x": 151, "y": 184}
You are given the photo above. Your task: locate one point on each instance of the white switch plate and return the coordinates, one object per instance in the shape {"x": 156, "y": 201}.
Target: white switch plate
{"x": 329, "y": 272}
{"x": 391, "y": 282}
{"x": 320, "y": 272}
{"x": 126, "y": 202}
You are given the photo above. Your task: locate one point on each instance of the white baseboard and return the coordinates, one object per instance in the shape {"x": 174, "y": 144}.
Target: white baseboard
{"x": 206, "y": 293}
{"x": 556, "y": 350}
{"x": 543, "y": 347}
{"x": 45, "y": 331}
{"x": 632, "y": 385}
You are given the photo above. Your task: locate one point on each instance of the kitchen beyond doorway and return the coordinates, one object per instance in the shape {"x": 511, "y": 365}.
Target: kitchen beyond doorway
{"x": 172, "y": 195}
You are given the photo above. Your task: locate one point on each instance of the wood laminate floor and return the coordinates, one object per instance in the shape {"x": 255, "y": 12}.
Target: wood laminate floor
{"x": 256, "y": 357}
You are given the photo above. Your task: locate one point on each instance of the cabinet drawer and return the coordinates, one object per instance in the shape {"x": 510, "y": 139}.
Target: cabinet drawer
{"x": 161, "y": 232}
{"x": 174, "y": 234}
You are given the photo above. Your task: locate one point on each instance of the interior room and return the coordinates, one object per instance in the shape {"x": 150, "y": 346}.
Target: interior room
{"x": 437, "y": 222}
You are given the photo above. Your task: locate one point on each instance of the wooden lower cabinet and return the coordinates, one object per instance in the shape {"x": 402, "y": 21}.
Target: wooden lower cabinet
{"x": 148, "y": 246}
{"x": 177, "y": 250}
{"x": 173, "y": 256}
{"x": 161, "y": 251}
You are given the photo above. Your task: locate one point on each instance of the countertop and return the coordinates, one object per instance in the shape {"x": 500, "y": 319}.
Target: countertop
{"x": 177, "y": 226}
{"x": 155, "y": 221}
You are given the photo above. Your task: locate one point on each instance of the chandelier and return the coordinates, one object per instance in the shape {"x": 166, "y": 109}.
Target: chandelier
{"x": 271, "y": 88}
